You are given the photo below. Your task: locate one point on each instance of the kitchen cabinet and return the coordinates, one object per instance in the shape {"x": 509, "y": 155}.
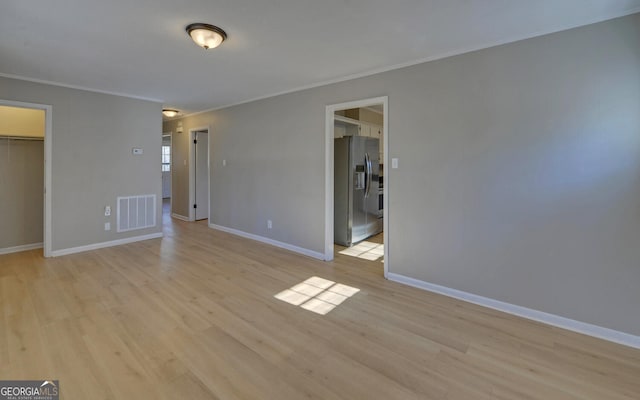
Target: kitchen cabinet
{"x": 375, "y": 131}
{"x": 364, "y": 129}
{"x": 343, "y": 126}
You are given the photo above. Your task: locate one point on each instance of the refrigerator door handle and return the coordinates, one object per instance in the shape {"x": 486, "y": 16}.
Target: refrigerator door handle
{"x": 367, "y": 161}
{"x": 370, "y": 175}
{"x": 366, "y": 175}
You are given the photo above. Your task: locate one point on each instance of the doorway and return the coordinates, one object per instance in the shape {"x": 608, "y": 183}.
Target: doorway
{"x": 27, "y": 158}
{"x": 340, "y": 121}
{"x": 200, "y": 167}
{"x": 166, "y": 171}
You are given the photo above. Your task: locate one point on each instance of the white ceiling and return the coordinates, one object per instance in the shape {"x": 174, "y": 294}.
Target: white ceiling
{"x": 139, "y": 47}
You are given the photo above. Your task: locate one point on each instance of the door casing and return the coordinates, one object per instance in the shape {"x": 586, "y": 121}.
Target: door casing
{"x": 328, "y": 201}
{"x": 192, "y": 172}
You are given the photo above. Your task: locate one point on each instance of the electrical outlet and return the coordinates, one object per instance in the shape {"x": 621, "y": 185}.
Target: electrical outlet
{"x": 107, "y": 211}
{"x": 269, "y": 224}
{"x": 107, "y": 226}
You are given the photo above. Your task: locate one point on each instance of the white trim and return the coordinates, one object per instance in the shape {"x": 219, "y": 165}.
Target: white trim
{"x": 172, "y": 168}
{"x": 328, "y": 170}
{"x": 180, "y": 217}
{"x": 48, "y": 154}
{"x": 77, "y": 87}
{"x": 170, "y": 136}
{"x": 328, "y": 182}
{"x": 385, "y": 188}
{"x": 435, "y": 57}
{"x": 282, "y": 245}
{"x": 95, "y": 246}
{"x": 528, "y": 313}
{"x": 48, "y": 181}
{"x": 24, "y": 247}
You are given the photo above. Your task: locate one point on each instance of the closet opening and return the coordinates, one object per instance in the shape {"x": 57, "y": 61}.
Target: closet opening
{"x": 25, "y": 131}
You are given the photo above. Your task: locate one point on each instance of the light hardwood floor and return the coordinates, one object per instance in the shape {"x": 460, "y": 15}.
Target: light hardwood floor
{"x": 193, "y": 316}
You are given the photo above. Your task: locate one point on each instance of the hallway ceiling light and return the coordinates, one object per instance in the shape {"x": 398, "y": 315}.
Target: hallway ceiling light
{"x": 205, "y": 35}
{"x": 169, "y": 112}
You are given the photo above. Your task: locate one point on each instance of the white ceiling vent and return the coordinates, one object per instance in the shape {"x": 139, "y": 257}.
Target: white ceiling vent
{"x": 136, "y": 212}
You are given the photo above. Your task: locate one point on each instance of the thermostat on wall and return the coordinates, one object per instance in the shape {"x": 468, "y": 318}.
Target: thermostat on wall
{"x": 136, "y": 151}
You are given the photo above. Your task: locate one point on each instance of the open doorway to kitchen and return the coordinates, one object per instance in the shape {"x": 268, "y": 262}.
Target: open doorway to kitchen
{"x": 25, "y": 173}
{"x": 356, "y": 212}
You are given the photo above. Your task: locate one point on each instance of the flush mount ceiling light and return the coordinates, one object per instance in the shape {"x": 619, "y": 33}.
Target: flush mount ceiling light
{"x": 169, "y": 112}
{"x": 205, "y": 35}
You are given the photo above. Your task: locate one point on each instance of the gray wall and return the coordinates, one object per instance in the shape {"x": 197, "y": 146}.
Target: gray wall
{"x": 21, "y": 192}
{"x": 93, "y": 135}
{"x": 519, "y": 172}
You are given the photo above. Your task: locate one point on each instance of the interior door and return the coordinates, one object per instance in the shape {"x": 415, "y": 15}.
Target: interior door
{"x": 201, "y": 153}
{"x": 166, "y": 184}
{"x": 166, "y": 167}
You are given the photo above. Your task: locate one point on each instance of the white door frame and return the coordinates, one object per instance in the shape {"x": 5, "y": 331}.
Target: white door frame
{"x": 192, "y": 172}
{"x": 170, "y": 134}
{"x": 48, "y": 154}
{"x": 328, "y": 181}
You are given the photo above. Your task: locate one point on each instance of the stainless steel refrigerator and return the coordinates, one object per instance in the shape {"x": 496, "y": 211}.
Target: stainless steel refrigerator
{"x": 356, "y": 167}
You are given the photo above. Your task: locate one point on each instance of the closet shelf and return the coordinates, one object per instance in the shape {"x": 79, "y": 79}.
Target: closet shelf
{"x": 21, "y": 138}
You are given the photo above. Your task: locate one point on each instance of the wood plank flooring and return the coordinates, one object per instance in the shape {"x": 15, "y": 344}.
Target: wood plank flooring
{"x": 193, "y": 316}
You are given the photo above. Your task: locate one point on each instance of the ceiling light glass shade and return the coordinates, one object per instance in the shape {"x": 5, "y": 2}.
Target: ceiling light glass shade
{"x": 206, "y": 36}
{"x": 169, "y": 113}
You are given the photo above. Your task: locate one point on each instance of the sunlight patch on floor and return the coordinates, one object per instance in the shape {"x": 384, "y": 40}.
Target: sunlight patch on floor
{"x": 318, "y": 295}
{"x": 365, "y": 250}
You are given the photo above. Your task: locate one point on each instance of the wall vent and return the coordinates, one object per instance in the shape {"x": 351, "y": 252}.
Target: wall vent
{"x": 136, "y": 212}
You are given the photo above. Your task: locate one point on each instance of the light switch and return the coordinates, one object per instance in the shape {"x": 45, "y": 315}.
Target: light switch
{"x": 224, "y": 163}
{"x": 136, "y": 151}
{"x": 394, "y": 163}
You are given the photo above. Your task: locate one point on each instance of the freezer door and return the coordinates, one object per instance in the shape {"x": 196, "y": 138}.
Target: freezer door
{"x": 342, "y": 189}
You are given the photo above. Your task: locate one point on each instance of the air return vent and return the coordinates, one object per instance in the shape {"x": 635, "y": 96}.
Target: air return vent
{"x": 136, "y": 212}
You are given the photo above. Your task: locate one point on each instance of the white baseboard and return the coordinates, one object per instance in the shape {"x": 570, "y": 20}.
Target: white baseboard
{"x": 180, "y": 217}
{"x": 95, "y": 246}
{"x": 290, "y": 247}
{"x": 24, "y": 247}
{"x": 550, "y": 319}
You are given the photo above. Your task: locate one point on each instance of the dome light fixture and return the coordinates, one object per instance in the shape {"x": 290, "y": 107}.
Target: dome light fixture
{"x": 205, "y": 35}
{"x": 169, "y": 112}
